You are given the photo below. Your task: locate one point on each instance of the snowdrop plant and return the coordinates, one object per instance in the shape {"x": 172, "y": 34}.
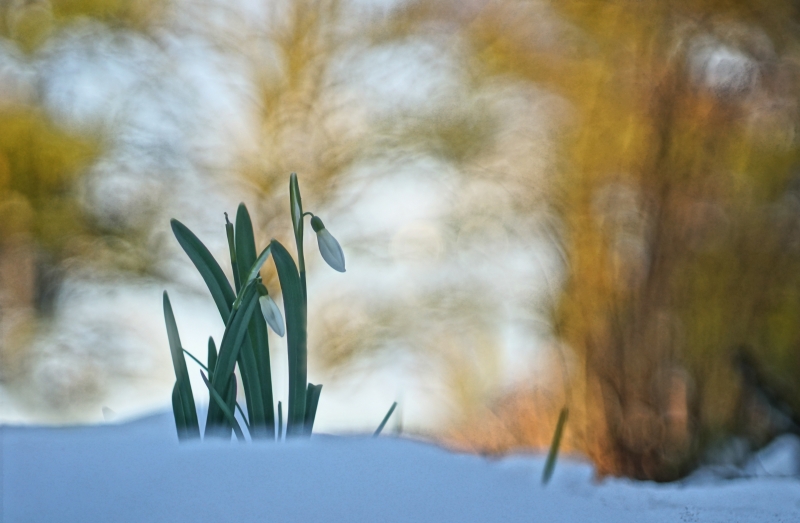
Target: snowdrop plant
{"x": 245, "y": 342}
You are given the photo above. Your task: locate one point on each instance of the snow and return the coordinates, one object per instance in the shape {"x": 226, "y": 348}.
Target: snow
{"x": 781, "y": 458}
{"x": 137, "y": 472}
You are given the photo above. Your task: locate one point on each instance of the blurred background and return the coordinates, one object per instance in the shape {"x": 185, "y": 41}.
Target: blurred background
{"x": 543, "y": 203}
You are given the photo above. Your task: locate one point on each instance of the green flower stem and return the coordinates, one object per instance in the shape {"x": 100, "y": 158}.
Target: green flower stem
{"x": 196, "y": 360}
{"x": 211, "y": 374}
{"x": 244, "y": 418}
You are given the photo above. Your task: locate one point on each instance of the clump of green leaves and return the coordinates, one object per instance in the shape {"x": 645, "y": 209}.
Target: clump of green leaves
{"x": 245, "y": 342}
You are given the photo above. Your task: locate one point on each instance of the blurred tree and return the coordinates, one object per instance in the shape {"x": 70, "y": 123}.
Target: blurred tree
{"x": 677, "y": 204}
{"x": 38, "y": 217}
{"x": 41, "y": 220}
{"x": 38, "y": 164}
{"x": 29, "y": 23}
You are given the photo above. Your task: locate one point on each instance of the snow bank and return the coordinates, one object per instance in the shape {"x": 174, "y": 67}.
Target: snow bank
{"x": 136, "y": 472}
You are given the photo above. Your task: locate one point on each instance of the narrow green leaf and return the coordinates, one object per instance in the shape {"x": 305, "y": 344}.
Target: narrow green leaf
{"x": 258, "y": 336}
{"x": 178, "y": 413}
{"x": 178, "y": 363}
{"x": 212, "y": 357}
{"x": 312, "y": 399}
{"x": 257, "y": 330}
{"x": 249, "y": 358}
{"x": 192, "y": 429}
{"x": 245, "y": 241}
{"x": 550, "y": 464}
{"x": 209, "y": 269}
{"x": 232, "y": 250}
{"x": 295, "y": 314}
{"x": 385, "y": 420}
{"x": 248, "y": 363}
{"x": 223, "y": 406}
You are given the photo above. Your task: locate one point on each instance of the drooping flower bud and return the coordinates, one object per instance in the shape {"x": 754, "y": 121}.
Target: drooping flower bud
{"x": 328, "y": 246}
{"x": 272, "y": 315}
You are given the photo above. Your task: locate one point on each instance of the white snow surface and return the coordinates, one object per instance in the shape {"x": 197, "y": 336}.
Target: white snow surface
{"x": 137, "y": 472}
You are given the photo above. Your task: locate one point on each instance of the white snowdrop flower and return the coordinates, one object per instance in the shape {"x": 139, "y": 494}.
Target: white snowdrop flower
{"x": 328, "y": 246}
{"x": 272, "y": 315}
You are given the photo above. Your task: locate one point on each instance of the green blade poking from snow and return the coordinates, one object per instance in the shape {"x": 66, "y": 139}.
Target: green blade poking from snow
{"x": 232, "y": 340}
{"x": 208, "y": 267}
{"x": 295, "y": 313}
{"x": 177, "y": 412}
{"x": 385, "y": 420}
{"x": 223, "y": 406}
{"x": 192, "y": 427}
{"x": 312, "y": 399}
{"x": 550, "y": 464}
{"x": 257, "y": 332}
